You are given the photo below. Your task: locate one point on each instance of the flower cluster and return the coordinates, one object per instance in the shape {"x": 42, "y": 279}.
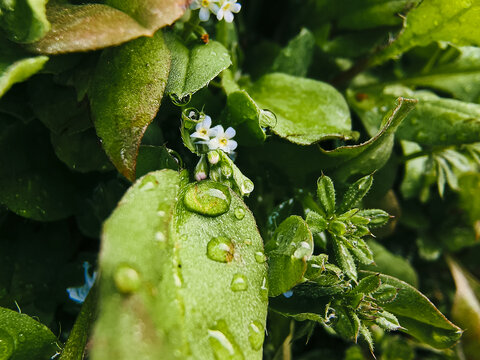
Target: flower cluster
{"x": 216, "y": 137}
{"x": 222, "y": 9}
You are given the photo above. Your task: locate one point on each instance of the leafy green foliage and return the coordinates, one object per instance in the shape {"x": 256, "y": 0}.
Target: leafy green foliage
{"x": 23, "y": 337}
{"x": 193, "y": 255}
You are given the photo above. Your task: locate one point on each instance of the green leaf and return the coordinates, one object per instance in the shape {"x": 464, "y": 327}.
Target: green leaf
{"x": 419, "y": 317}
{"x": 307, "y": 111}
{"x": 125, "y": 95}
{"x": 296, "y": 57}
{"x": 24, "y": 21}
{"x": 316, "y": 222}
{"x": 391, "y": 264}
{"x": 466, "y": 308}
{"x": 199, "y": 287}
{"x": 344, "y": 258}
{"x": 355, "y": 193}
{"x": 81, "y": 151}
{"x": 374, "y": 153}
{"x": 240, "y": 183}
{"x": 23, "y": 338}
{"x": 33, "y": 183}
{"x": 193, "y": 68}
{"x": 326, "y": 195}
{"x": 367, "y": 285}
{"x": 16, "y": 65}
{"x": 96, "y": 26}
{"x": 469, "y": 198}
{"x": 287, "y": 253}
{"x": 77, "y": 340}
{"x": 436, "y": 20}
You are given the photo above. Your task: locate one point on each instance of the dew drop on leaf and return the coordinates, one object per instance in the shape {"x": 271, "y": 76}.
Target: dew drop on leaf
{"x": 127, "y": 279}
{"x": 220, "y": 249}
{"x": 260, "y": 257}
{"x": 223, "y": 343}
{"x": 207, "y": 198}
{"x": 256, "y": 334}
{"x": 239, "y": 283}
{"x": 239, "y": 213}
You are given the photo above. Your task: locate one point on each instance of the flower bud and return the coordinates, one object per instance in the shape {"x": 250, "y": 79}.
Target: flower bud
{"x": 213, "y": 157}
{"x": 201, "y": 169}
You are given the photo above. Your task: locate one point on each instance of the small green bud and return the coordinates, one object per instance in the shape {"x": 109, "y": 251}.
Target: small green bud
{"x": 213, "y": 157}
{"x": 356, "y": 193}
{"x": 337, "y": 227}
{"x": 326, "y": 195}
{"x": 377, "y": 217}
{"x": 201, "y": 170}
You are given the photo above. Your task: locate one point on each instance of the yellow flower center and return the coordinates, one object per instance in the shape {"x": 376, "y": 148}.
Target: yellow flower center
{"x": 223, "y": 141}
{"x": 203, "y": 131}
{"x": 226, "y": 6}
{"x": 205, "y": 3}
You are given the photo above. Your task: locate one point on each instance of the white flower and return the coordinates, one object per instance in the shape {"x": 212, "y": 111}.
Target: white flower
{"x": 227, "y": 8}
{"x": 78, "y": 294}
{"x": 205, "y": 6}
{"x": 222, "y": 139}
{"x": 202, "y": 130}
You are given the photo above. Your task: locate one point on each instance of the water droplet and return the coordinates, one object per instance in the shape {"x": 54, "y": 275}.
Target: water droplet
{"x": 7, "y": 345}
{"x": 247, "y": 242}
{"x": 21, "y": 338}
{"x": 239, "y": 283}
{"x": 303, "y": 249}
{"x": 260, "y": 257}
{"x": 267, "y": 119}
{"x": 160, "y": 213}
{"x": 127, "y": 279}
{"x": 264, "y": 289}
{"x": 148, "y": 183}
{"x": 256, "y": 334}
{"x": 239, "y": 213}
{"x": 207, "y": 198}
{"x": 180, "y": 101}
{"x": 247, "y": 186}
{"x": 222, "y": 342}
{"x": 159, "y": 236}
{"x": 220, "y": 249}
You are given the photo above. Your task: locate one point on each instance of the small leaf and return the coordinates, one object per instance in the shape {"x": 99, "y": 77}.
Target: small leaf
{"x": 387, "y": 321}
{"x": 367, "y": 285}
{"x": 385, "y": 294}
{"x": 326, "y": 195}
{"x": 24, "y": 21}
{"x": 296, "y": 57}
{"x": 24, "y": 338}
{"x": 377, "y": 217}
{"x": 287, "y": 253}
{"x": 316, "y": 222}
{"x": 355, "y": 193}
{"x": 193, "y": 68}
{"x": 96, "y": 26}
{"x": 16, "y": 65}
{"x": 125, "y": 95}
{"x": 419, "y": 317}
{"x": 362, "y": 252}
{"x": 307, "y": 111}
{"x": 344, "y": 258}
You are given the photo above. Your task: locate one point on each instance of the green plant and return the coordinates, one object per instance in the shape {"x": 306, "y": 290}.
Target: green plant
{"x": 174, "y": 145}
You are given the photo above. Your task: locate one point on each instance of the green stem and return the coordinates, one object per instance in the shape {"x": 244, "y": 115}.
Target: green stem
{"x": 75, "y": 346}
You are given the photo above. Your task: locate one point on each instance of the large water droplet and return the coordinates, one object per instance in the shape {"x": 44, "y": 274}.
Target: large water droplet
{"x": 256, "y": 334}
{"x": 7, "y": 345}
{"x": 160, "y": 236}
{"x": 239, "y": 213}
{"x": 267, "y": 119}
{"x": 264, "y": 289}
{"x": 207, "y": 198}
{"x": 304, "y": 249}
{"x": 260, "y": 257}
{"x": 148, "y": 183}
{"x": 220, "y": 249}
{"x": 246, "y": 186}
{"x": 223, "y": 343}
{"x": 239, "y": 283}
{"x": 127, "y": 279}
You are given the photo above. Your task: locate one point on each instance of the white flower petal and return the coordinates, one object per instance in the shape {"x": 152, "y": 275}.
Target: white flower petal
{"x": 214, "y": 8}
{"x": 230, "y": 133}
{"x": 228, "y": 16}
{"x": 232, "y": 145}
{"x": 198, "y": 135}
{"x": 236, "y": 8}
{"x": 220, "y": 14}
{"x": 217, "y": 131}
{"x": 195, "y": 5}
{"x": 204, "y": 14}
{"x": 213, "y": 144}
{"x": 207, "y": 122}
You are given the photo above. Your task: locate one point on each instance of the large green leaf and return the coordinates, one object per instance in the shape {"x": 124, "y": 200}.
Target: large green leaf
{"x": 96, "y": 26}
{"x": 193, "y": 68}
{"x": 33, "y": 183}
{"x": 24, "y": 21}
{"x": 437, "y": 20}
{"x": 418, "y": 316}
{"x": 189, "y": 284}
{"x": 374, "y": 153}
{"x": 288, "y": 252}
{"x": 466, "y": 308}
{"x": 22, "y": 338}
{"x": 307, "y": 111}
{"x": 125, "y": 95}
{"x": 435, "y": 120}
{"x": 16, "y": 65}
